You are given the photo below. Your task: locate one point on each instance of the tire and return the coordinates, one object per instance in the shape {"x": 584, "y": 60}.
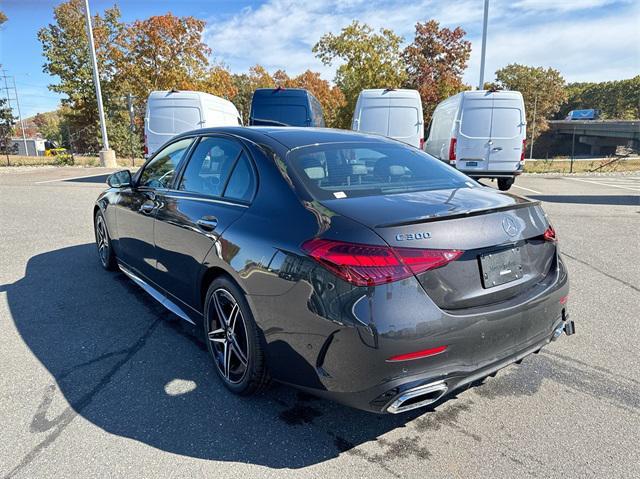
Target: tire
{"x": 235, "y": 342}
{"x": 505, "y": 183}
{"x": 103, "y": 242}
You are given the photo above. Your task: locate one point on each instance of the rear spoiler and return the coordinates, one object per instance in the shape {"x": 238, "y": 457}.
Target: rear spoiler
{"x": 461, "y": 214}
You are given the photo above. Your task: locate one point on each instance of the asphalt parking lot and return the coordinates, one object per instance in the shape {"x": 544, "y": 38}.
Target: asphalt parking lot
{"x": 97, "y": 380}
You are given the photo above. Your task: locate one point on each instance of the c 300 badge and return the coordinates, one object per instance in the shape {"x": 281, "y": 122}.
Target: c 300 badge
{"x": 412, "y": 236}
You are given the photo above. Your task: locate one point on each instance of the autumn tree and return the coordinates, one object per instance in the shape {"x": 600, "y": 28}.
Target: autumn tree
{"x": 49, "y": 126}
{"x": 436, "y": 60}
{"x": 3, "y": 17}
{"x": 369, "y": 60}
{"x": 542, "y": 87}
{"x": 65, "y": 47}
{"x": 161, "y": 53}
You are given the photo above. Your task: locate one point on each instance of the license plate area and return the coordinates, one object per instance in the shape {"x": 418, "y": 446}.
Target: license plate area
{"x": 500, "y": 267}
{"x": 472, "y": 163}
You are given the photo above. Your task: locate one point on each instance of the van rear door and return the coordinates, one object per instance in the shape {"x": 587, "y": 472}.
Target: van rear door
{"x": 472, "y": 148}
{"x": 507, "y": 132}
{"x": 169, "y": 117}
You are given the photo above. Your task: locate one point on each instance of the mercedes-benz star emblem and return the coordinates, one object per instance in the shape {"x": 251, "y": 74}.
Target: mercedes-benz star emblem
{"x": 510, "y": 226}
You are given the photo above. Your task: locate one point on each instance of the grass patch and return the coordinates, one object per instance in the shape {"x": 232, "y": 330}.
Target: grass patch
{"x": 607, "y": 165}
{"x": 86, "y": 161}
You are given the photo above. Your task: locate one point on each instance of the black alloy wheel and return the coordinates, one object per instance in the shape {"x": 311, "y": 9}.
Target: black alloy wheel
{"x": 233, "y": 338}
{"x": 103, "y": 242}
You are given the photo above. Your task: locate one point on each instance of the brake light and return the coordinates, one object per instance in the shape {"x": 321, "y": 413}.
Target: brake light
{"x": 524, "y": 147}
{"x": 422, "y": 143}
{"x": 418, "y": 354}
{"x": 549, "y": 234}
{"x": 371, "y": 265}
{"x": 452, "y": 150}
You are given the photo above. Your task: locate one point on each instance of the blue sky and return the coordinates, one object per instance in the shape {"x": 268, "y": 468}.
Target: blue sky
{"x": 587, "y": 40}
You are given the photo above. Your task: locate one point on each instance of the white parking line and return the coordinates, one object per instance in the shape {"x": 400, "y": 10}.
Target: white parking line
{"x": 527, "y": 189}
{"x": 66, "y": 179}
{"x": 604, "y": 184}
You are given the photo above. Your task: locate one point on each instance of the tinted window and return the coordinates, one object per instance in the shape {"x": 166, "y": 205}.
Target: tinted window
{"x": 173, "y": 119}
{"x": 506, "y": 123}
{"x": 403, "y": 121}
{"x": 209, "y": 166}
{"x": 242, "y": 182}
{"x": 159, "y": 172}
{"x": 374, "y": 120}
{"x": 356, "y": 169}
{"x": 293, "y": 115}
{"x": 476, "y": 122}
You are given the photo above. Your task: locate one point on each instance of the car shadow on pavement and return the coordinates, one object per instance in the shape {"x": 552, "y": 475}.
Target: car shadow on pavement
{"x": 133, "y": 369}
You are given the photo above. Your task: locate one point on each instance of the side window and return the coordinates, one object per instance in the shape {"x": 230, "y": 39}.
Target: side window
{"x": 210, "y": 165}
{"x": 160, "y": 171}
{"x": 242, "y": 183}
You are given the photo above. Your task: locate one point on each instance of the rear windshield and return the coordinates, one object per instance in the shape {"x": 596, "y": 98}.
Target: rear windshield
{"x": 276, "y": 113}
{"x": 343, "y": 170}
{"x": 506, "y": 123}
{"x": 476, "y": 122}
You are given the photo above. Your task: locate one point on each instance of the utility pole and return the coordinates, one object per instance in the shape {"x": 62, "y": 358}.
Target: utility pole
{"x": 107, "y": 156}
{"x": 15, "y": 92}
{"x": 484, "y": 44}
{"x": 533, "y": 127}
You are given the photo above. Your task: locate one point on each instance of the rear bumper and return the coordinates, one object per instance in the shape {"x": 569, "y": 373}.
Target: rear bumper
{"x": 492, "y": 174}
{"x": 343, "y": 357}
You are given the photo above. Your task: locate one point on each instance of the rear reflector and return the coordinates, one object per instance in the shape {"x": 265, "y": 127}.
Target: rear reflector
{"x": 550, "y": 234}
{"x": 421, "y": 143}
{"x": 418, "y": 354}
{"x": 371, "y": 265}
{"x": 524, "y": 147}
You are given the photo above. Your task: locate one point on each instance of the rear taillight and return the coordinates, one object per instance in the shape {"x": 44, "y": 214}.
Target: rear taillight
{"x": 452, "y": 151}
{"x": 422, "y": 143}
{"x": 524, "y": 147}
{"x": 371, "y": 265}
{"x": 549, "y": 234}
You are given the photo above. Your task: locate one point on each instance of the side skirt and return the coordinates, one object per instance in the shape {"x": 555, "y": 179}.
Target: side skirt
{"x": 157, "y": 295}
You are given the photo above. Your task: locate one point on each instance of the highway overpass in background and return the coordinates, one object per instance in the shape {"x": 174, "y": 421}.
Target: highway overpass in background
{"x": 603, "y": 135}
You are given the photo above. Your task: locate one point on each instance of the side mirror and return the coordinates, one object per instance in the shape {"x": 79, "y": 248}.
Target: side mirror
{"x": 120, "y": 179}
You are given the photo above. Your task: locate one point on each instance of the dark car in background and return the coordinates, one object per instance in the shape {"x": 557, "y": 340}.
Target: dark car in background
{"x": 285, "y": 107}
{"x": 351, "y": 266}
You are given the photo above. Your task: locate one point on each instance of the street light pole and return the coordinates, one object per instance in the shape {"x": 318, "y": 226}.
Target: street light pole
{"x": 484, "y": 44}
{"x": 107, "y": 156}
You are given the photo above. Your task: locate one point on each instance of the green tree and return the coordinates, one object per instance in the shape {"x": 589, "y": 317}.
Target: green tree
{"x": 542, "y": 88}
{"x": 369, "y": 60}
{"x": 49, "y": 126}
{"x": 246, "y": 83}
{"x": 436, "y": 61}
{"x": 615, "y": 99}
{"x": 7, "y": 121}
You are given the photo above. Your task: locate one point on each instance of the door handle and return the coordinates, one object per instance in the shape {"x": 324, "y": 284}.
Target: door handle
{"x": 147, "y": 207}
{"x": 207, "y": 223}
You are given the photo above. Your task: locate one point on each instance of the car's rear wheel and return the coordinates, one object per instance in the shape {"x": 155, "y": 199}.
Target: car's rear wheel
{"x": 505, "y": 183}
{"x": 233, "y": 338}
{"x": 103, "y": 242}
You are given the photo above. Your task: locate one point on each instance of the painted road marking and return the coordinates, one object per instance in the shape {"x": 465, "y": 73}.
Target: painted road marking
{"x": 604, "y": 184}
{"x": 527, "y": 189}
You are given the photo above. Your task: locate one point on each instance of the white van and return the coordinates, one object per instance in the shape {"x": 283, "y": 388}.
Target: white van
{"x": 482, "y": 133}
{"x": 172, "y": 112}
{"x": 393, "y": 113}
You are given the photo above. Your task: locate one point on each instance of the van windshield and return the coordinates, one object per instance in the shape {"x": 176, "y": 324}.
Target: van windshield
{"x": 342, "y": 170}
{"x": 274, "y": 113}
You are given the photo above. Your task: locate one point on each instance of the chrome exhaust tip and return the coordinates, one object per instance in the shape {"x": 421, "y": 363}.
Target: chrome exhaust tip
{"x": 418, "y": 397}
{"x": 557, "y": 332}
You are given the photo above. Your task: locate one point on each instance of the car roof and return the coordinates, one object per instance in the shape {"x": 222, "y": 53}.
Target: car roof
{"x": 293, "y": 137}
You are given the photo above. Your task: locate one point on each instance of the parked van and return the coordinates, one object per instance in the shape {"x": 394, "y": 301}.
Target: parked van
{"x": 482, "y": 133}
{"x": 285, "y": 107}
{"x": 172, "y": 112}
{"x": 392, "y": 113}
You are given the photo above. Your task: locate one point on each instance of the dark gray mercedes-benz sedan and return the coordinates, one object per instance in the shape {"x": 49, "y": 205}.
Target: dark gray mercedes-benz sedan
{"x": 352, "y": 266}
